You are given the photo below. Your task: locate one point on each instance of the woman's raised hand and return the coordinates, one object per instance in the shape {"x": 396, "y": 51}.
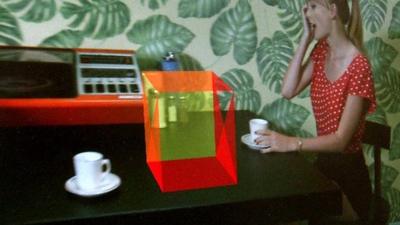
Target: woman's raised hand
{"x": 308, "y": 30}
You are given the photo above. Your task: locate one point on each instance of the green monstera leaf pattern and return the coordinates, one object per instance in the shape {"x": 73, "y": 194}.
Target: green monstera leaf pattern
{"x": 153, "y": 4}
{"x": 271, "y": 2}
{"x": 36, "y": 11}
{"x": 235, "y": 28}
{"x": 201, "y": 8}
{"x": 241, "y": 82}
{"x": 379, "y": 116}
{"x": 65, "y": 39}
{"x": 305, "y": 93}
{"x": 290, "y": 15}
{"x": 394, "y": 28}
{"x": 188, "y": 63}
{"x": 97, "y": 19}
{"x": 286, "y": 117}
{"x": 273, "y": 56}
{"x": 10, "y": 33}
{"x": 373, "y": 14}
{"x": 381, "y": 55}
{"x": 389, "y": 175}
{"x": 395, "y": 145}
{"x": 393, "y": 197}
{"x": 157, "y": 35}
{"x": 388, "y": 90}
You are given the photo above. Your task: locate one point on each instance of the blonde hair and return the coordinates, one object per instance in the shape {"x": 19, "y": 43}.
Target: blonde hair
{"x": 352, "y": 20}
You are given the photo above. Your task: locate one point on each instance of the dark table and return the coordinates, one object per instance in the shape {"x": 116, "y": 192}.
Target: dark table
{"x": 35, "y": 162}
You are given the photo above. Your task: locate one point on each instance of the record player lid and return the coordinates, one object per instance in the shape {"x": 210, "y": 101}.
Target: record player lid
{"x": 37, "y": 73}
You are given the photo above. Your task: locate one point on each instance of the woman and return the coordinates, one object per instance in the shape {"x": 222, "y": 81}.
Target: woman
{"x": 342, "y": 93}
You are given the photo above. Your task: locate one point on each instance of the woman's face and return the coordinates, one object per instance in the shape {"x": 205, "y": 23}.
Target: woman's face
{"x": 318, "y": 15}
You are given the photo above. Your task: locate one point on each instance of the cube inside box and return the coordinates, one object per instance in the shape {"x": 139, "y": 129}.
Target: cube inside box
{"x": 190, "y": 130}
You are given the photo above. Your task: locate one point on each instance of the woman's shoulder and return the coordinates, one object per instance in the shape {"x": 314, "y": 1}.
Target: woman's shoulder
{"x": 359, "y": 54}
{"x": 361, "y": 61}
{"x": 360, "y": 68}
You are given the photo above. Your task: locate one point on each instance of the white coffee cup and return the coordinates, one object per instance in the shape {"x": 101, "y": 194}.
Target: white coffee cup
{"x": 255, "y": 125}
{"x": 90, "y": 169}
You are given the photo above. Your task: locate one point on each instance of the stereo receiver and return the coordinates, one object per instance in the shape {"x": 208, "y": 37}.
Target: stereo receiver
{"x": 56, "y": 86}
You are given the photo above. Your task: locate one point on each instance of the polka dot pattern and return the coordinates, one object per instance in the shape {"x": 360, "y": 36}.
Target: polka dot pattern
{"x": 328, "y": 98}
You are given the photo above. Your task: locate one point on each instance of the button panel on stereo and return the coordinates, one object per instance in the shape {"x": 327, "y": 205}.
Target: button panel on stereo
{"x": 117, "y": 76}
{"x": 96, "y": 86}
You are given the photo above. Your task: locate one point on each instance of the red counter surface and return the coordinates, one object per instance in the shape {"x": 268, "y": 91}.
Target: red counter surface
{"x": 83, "y": 110}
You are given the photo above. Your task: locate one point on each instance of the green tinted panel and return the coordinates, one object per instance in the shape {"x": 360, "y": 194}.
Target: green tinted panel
{"x": 192, "y": 134}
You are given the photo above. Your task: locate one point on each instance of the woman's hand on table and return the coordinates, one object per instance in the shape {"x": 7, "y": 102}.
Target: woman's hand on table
{"x": 277, "y": 142}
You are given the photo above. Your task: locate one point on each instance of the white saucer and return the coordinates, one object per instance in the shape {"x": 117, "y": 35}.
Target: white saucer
{"x": 246, "y": 139}
{"x": 110, "y": 183}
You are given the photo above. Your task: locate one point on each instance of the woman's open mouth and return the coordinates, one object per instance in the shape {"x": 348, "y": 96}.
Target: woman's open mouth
{"x": 313, "y": 26}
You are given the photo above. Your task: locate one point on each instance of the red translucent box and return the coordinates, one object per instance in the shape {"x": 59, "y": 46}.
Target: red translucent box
{"x": 189, "y": 121}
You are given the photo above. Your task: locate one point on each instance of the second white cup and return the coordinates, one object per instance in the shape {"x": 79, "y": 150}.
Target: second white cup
{"x": 255, "y": 125}
{"x": 91, "y": 169}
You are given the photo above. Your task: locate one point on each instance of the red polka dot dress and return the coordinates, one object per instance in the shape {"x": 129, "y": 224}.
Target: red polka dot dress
{"x": 328, "y": 98}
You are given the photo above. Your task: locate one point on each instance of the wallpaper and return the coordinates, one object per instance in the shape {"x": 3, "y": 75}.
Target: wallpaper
{"x": 248, "y": 43}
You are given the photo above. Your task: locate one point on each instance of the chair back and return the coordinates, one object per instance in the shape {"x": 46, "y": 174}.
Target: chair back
{"x": 378, "y": 136}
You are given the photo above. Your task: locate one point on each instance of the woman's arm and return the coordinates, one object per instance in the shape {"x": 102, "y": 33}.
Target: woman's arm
{"x": 298, "y": 75}
{"x": 354, "y": 110}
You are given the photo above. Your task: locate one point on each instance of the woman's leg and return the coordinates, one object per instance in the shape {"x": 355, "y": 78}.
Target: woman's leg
{"x": 351, "y": 174}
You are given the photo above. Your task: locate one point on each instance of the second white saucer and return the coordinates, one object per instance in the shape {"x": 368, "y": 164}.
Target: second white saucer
{"x": 246, "y": 139}
{"x": 111, "y": 182}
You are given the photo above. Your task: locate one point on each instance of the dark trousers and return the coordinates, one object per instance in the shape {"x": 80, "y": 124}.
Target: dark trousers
{"x": 351, "y": 174}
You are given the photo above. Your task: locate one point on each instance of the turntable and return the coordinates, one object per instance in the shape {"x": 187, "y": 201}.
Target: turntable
{"x": 54, "y": 86}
